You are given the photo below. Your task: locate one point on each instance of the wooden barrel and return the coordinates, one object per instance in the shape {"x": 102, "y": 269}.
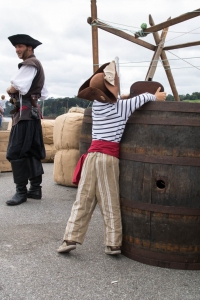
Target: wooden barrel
{"x": 160, "y": 184}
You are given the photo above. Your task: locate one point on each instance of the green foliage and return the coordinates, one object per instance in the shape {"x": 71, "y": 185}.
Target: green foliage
{"x": 54, "y": 107}
{"x": 193, "y": 96}
{"x": 8, "y": 108}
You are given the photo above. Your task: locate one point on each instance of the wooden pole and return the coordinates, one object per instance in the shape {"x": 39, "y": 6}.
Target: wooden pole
{"x": 95, "y": 50}
{"x": 178, "y": 46}
{"x": 117, "y": 69}
{"x": 122, "y": 34}
{"x": 156, "y": 56}
{"x": 182, "y": 18}
{"x": 165, "y": 63}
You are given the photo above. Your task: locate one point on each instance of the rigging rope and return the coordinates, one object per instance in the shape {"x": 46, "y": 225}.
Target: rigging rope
{"x": 184, "y": 60}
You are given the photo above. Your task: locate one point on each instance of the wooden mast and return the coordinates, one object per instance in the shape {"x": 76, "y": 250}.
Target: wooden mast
{"x": 165, "y": 62}
{"x": 156, "y": 55}
{"x": 95, "y": 50}
{"x": 159, "y": 49}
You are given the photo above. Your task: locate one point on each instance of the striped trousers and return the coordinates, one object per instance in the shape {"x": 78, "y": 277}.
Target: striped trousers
{"x": 99, "y": 183}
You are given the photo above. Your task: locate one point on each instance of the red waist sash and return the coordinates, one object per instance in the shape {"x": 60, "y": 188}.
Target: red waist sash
{"x": 24, "y": 107}
{"x": 106, "y": 147}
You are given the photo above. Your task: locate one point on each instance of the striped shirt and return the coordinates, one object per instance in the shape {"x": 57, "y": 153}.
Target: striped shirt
{"x": 109, "y": 119}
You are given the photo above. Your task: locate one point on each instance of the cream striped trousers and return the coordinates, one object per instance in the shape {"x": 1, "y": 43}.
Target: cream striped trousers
{"x": 99, "y": 183}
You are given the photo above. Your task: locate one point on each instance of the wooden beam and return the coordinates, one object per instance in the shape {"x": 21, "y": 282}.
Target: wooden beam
{"x": 178, "y": 46}
{"x": 165, "y": 63}
{"x": 121, "y": 34}
{"x": 95, "y": 48}
{"x": 174, "y": 21}
{"x": 156, "y": 56}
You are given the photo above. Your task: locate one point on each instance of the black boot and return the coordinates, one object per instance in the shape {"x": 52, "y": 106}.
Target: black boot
{"x": 36, "y": 169}
{"x": 20, "y": 196}
{"x": 35, "y": 191}
{"x": 21, "y": 173}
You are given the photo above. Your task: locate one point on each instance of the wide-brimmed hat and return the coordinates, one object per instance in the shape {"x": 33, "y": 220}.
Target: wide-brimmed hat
{"x": 102, "y": 86}
{"x": 24, "y": 39}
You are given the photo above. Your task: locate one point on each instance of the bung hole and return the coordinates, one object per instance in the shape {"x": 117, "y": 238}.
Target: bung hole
{"x": 160, "y": 184}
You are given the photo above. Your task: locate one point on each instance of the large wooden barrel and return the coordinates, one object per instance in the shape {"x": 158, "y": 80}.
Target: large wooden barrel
{"x": 160, "y": 184}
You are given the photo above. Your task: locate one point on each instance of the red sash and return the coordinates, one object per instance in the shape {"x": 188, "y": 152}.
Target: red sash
{"x": 24, "y": 107}
{"x": 106, "y": 147}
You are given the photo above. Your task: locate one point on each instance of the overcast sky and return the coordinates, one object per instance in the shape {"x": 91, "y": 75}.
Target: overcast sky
{"x": 66, "y": 52}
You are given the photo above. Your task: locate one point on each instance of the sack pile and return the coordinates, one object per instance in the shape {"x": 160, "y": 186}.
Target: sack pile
{"x": 47, "y": 132}
{"x": 66, "y": 135}
{"x": 5, "y": 165}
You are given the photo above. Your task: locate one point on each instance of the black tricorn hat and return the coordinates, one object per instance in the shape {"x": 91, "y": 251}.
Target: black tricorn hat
{"x": 24, "y": 39}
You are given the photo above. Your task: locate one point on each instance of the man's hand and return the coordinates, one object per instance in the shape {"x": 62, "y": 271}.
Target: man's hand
{"x": 160, "y": 96}
{"x": 11, "y": 90}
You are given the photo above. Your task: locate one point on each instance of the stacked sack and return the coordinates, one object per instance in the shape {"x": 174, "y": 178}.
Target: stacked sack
{"x": 47, "y": 132}
{"x": 66, "y": 136}
{"x": 5, "y": 165}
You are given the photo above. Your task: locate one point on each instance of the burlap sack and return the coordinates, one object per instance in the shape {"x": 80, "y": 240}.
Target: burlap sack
{"x": 50, "y": 153}
{"x": 64, "y": 164}
{"x": 47, "y": 131}
{"x": 77, "y": 110}
{"x": 5, "y": 165}
{"x": 67, "y": 130}
{"x": 4, "y": 138}
{"x": 9, "y": 125}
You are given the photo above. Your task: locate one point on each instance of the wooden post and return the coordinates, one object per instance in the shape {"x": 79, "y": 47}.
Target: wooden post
{"x": 156, "y": 56}
{"x": 178, "y": 46}
{"x": 94, "y": 37}
{"x": 117, "y": 69}
{"x": 165, "y": 63}
{"x": 182, "y": 18}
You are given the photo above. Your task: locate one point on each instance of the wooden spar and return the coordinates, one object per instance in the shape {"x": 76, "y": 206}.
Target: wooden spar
{"x": 165, "y": 63}
{"x": 156, "y": 56}
{"x": 121, "y": 34}
{"x": 94, "y": 37}
{"x": 178, "y": 46}
{"x": 174, "y": 21}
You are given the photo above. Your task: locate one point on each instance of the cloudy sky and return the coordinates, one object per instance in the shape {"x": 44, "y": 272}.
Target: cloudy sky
{"x": 66, "y": 52}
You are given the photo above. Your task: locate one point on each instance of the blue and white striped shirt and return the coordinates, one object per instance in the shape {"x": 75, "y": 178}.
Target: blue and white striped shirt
{"x": 109, "y": 119}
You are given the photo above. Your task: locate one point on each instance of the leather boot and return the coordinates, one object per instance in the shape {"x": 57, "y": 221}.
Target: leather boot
{"x": 35, "y": 190}
{"x": 36, "y": 171}
{"x": 21, "y": 173}
{"x": 20, "y": 195}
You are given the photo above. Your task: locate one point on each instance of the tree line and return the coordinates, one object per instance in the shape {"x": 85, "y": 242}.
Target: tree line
{"x": 54, "y": 107}
{"x": 193, "y": 96}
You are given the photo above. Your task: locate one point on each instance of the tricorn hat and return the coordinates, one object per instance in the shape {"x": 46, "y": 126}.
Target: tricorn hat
{"x": 102, "y": 86}
{"x": 23, "y": 39}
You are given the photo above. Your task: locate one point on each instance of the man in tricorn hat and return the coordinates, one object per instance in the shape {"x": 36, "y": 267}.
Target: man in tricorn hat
{"x": 99, "y": 178}
{"x": 26, "y": 147}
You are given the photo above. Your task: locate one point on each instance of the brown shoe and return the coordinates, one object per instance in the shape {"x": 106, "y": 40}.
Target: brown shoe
{"x": 67, "y": 246}
{"x": 113, "y": 250}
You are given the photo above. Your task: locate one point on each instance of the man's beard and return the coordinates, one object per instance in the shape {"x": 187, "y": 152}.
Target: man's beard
{"x": 24, "y": 54}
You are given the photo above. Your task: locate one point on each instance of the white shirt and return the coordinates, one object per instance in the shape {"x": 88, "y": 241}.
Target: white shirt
{"x": 3, "y": 103}
{"x": 23, "y": 79}
{"x": 109, "y": 119}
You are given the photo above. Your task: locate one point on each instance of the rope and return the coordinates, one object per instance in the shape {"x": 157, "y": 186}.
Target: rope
{"x": 184, "y": 60}
{"x": 182, "y": 34}
{"x": 162, "y": 66}
{"x": 119, "y": 28}
{"x": 144, "y": 61}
